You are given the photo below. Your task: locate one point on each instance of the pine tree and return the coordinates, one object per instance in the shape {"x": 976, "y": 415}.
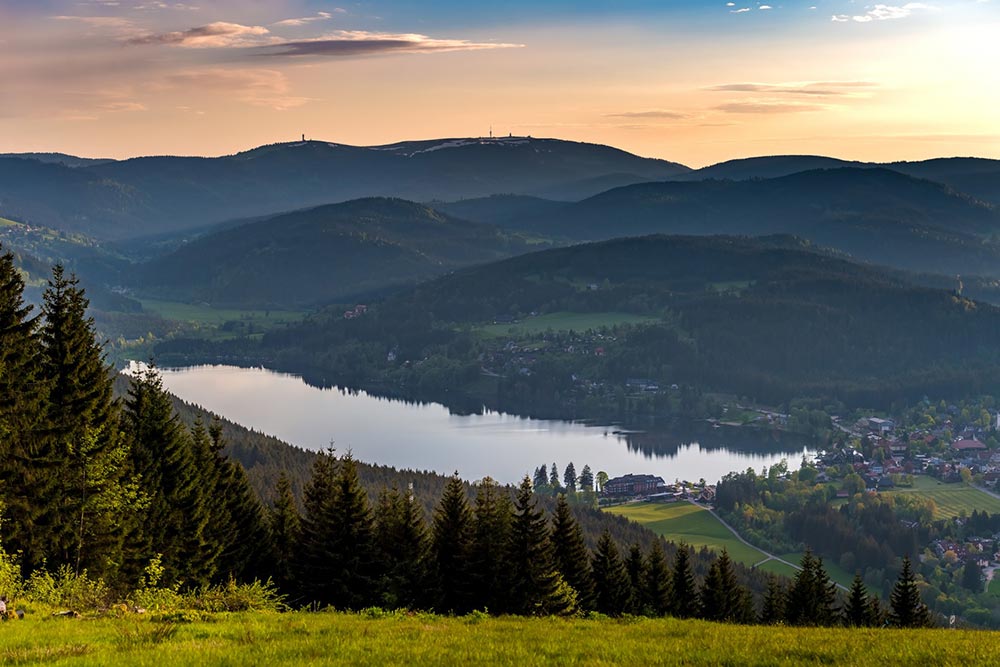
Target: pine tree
{"x": 773, "y": 608}
{"x": 684, "y": 593}
{"x": 350, "y": 546}
{"x": 452, "y": 541}
{"x": 570, "y": 551}
{"x": 635, "y": 565}
{"x": 857, "y": 611}
{"x": 812, "y": 596}
{"x": 722, "y": 597}
{"x": 612, "y": 594}
{"x": 541, "y": 478}
{"x": 311, "y": 565}
{"x": 586, "y": 479}
{"x": 489, "y": 568}
{"x": 402, "y": 542}
{"x": 536, "y": 587}
{"x": 82, "y": 446}
{"x": 554, "y": 477}
{"x": 656, "y": 587}
{"x": 284, "y": 524}
{"x": 906, "y": 608}
{"x": 175, "y": 511}
{"x": 24, "y": 484}
{"x": 569, "y": 478}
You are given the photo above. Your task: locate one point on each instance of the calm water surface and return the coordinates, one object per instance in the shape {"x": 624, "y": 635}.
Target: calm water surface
{"x": 428, "y": 437}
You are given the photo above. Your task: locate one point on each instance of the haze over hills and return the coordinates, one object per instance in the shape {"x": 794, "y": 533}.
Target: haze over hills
{"x": 874, "y": 214}
{"x": 319, "y": 255}
{"x": 149, "y": 195}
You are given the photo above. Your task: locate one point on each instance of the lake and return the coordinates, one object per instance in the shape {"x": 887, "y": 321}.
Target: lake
{"x": 428, "y": 437}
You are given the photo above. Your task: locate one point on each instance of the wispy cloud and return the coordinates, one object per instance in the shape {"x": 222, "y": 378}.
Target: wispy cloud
{"x": 812, "y": 88}
{"x": 767, "y": 107}
{"x": 320, "y": 16}
{"x": 883, "y": 13}
{"x": 213, "y": 35}
{"x": 346, "y": 43}
{"x": 655, "y": 113}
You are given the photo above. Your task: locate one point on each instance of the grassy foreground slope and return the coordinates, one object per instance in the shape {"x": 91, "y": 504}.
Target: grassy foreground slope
{"x": 342, "y": 639}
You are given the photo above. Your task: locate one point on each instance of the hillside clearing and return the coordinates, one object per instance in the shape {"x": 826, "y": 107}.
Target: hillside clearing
{"x": 951, "y": 500}
{"x": 422, "y": 639}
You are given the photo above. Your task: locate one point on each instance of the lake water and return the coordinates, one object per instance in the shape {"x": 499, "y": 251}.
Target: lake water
{"x": 428, "y": 437}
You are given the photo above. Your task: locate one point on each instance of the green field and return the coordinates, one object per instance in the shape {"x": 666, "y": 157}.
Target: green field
{"x": 302, "y": 638}
{"x": 564, "y": 321}
{"x": 4, "y": 222}
{"x": 684, "y": 522}
{"x": 210, "y": 321}
{"x": 951, "y": 499}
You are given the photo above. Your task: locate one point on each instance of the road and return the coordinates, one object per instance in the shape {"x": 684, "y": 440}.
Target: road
{"x": 770, "y": 556}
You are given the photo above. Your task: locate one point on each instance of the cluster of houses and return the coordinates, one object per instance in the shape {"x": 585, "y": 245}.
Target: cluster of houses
{"x": 519, "y": 357}
{"x": 355, "y": 312}
{"x": 982, "y": 549}
{"x": 653, "y": 488}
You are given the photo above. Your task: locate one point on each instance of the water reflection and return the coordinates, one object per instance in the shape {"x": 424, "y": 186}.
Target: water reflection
{"x": 428, "y": 436}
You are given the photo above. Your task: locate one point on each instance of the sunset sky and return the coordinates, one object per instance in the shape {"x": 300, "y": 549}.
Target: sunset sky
{"x": 694, "y": 82}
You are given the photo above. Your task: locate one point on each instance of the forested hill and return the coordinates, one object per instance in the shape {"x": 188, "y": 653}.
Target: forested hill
{"x": 323, "y": 254}
{"x": 767, "y": 318}
{"x": 876, "y": 215}
{"x": 142, "y": 196}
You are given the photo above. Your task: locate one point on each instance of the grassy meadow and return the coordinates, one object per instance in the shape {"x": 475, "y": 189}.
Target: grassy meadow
{"x": 301, "y": 638}
{"x": 951, "y": 500}
{"x": 210, "y": 321}
{"x": 564, "y": 321}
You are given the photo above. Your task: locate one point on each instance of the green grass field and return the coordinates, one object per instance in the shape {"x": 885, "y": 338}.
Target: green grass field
{"x": 4, "y": 222}
{"x": 684, "y": 522}
{"x": 564, "y": 321}
{"x": 348, "y": 639}
{"x": 951, "y": 499}
{"x": 210, "y": 320}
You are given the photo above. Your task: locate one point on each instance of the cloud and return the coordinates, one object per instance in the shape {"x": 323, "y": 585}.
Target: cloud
{"x": 741, "y": 10}
{"x": 883, "y": 13}
{"x": 767, "y": 107}
{"x": 347, "y": 43}
{"x": 320, "y": 16}
{"x": 656, "y": 113}
{"x": 213, "y": 35}
{"x": 123, "y": 106}
{"x": 814, "y": 88}
{"x": 257, "y": 87}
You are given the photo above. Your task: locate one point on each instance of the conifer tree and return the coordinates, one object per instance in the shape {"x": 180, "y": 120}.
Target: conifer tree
{"x": 857, "y": 611}
{"x": 635, "y": 565}
{"x": 541, "y": 478}
{"x": 656, "y": 586}
{"x": 175, "y": 511}
{"x": 402, "y": 542}
{"x": 812, "y": 596}
{"x": 612, "y": 589}
{"x": 722, "y": 597}
{"x": 24, "y": 484}
{"x": 536, "y": 588}
{"x": 82, "y": 448}
{"x": 569, "y": 478}
{"x": 586, "y": 479}
{"x": 284, "y": 524}
{"x": 350, "y": 545}
{"x": 311, "y": 566}
{"x": 554, "y": 476}
{"x": 684, "y": 593}
{"x": 452, "y": 541}
{"x": 489, "y": 568}
{"x": 571, "y": 556}
{"x": 773, "y": 607}
{"x": 906, "y": 608}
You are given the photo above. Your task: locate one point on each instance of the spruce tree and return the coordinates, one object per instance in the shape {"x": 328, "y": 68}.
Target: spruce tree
{"x": 569, "y": 478}
{"x": 635, "y": 565}
{"x": 812, "y": 596}
{"x": 451, "y": 543}
{"x": 656, "y": 587}
{"x": 489, "y": 567}
{"x": 402, "y": 543}
{"x": 586, "y": 479}
{"x": 536, "y": 587}
{"x": 554, "y": 477}
{"x": 82, "y": 448}
{"x": 350, "y": 546}
{"x": 906, "y": 608}
{"x": 541, "y": 479}
{"x": 722, "y": 597}
{"x": 857, "y": 611}
{"x": 25, "y": 484}
{"x": 773, "y": 607}
{"x": 684, "y": 593}
{"x": 570, "y": 551}
{"x": 311, "y": 565}
{"x": 284, "y": 524}
{"x": 612, "y": 588}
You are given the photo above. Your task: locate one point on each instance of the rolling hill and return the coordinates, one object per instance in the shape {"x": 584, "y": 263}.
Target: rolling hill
{"x": 151, "y": 195}
{"x": 874, "y": 214}
{"x": 321, "y": 255}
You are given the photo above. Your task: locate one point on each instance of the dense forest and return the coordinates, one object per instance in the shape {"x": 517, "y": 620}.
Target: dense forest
{"x": 767, "y": 318}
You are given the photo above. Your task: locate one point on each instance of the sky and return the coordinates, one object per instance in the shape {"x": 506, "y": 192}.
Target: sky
{"x": 693, "y": 82}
